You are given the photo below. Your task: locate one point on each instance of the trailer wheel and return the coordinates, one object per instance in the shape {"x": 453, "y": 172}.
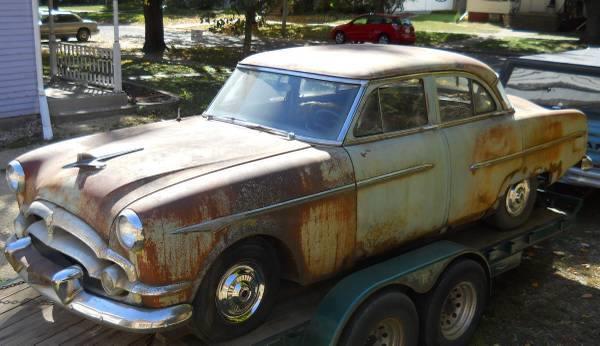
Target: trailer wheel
{"x": 451, "y": 311}
{"x": 516, "y": 205}
{"x": 388, "y": 318}
{"x": 237, "y": 292}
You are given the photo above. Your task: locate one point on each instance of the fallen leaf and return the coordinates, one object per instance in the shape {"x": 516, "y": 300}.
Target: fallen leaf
{"x": 559, "y": 253}
{"x": 535, "y": 284}
{"x": 586, "y": 265}
{"x": 586, "y": 245}
{"x": 587, "y": 296}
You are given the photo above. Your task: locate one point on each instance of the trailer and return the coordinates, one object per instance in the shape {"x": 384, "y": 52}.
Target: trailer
{"x": 432, "y": 293}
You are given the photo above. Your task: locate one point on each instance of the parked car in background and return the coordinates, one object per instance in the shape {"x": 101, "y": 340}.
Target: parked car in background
{"x": 67, "y": 25}
{"x": 563, "y": 80}
{"x": 376, "y": 28}
{"x": 308, "y": 162}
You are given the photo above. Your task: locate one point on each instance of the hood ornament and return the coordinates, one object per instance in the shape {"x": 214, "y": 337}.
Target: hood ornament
{"x": 87, "y": 160}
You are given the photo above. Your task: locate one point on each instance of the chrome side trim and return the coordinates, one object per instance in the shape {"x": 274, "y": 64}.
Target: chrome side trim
{"x": 394, "y": 175}
{"x": 221, "y": 222}
{"x": 526, "y": 152}
{"x": 55, "y": 216}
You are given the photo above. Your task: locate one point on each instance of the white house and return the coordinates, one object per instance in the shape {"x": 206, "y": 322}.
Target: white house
{"x": 21, "y": 85}
{"x": 428, "y": 5}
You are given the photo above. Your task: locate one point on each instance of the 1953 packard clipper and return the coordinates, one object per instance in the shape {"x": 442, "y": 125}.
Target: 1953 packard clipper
{"x": 308, "y": 161}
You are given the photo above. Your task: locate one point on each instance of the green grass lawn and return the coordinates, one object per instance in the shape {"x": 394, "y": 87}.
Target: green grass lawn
{"x": 195, "y": 75}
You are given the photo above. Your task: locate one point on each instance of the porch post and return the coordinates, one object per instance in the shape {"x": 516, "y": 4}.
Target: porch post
{"x": 118, "y": 83}
{"x": 52, "y": 40}
{"x": 43, "y": 102}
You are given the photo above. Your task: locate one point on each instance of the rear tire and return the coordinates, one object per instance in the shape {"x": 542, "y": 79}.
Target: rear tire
{"x": 451, "y": 311}
{"x": 515, "y": 206}
{"x": 383, "y": 39}
{"x": 83, "y": 35}
{"x": 389, "y": 318}
{"x": 340, "y": 37}
{"x": 237, "y": 293}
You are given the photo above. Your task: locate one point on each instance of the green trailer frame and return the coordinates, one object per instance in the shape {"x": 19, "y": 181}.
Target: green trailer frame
{"x": 416, "y": 271}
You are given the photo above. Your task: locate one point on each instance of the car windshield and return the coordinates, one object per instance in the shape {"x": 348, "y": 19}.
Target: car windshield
{"x": 306, "y": 107}
{"x": 557, "y": 89}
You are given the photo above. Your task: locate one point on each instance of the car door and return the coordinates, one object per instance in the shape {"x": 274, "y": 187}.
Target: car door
{"x": 400, "y": 164}
{"x": 71, "y": 24}
{"x": 374, "y": 28}
{"x": 356, "y": 29}
{"x": 484, "y": 143}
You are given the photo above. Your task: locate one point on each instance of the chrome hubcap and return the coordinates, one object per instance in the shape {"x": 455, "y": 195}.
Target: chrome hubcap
{"x": 387, "y": 332}
{"x": 383, "y": 39}
{"x": 517, "y": 198}
{"x": 240, "y": 292}
{"x": 339, "y": 37}
{"x": 458, "y": 310}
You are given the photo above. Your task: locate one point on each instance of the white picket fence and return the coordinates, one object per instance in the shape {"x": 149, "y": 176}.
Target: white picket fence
{"x": 91, "y": 65}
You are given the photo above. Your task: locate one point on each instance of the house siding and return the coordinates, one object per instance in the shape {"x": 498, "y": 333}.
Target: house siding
{"x": 18, "y": 75}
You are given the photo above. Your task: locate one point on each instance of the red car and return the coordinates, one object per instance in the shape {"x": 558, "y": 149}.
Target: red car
{"x": 377, "y": 28}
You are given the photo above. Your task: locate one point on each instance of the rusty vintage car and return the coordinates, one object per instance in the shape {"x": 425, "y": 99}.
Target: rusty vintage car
{"x": 308, "y": 161}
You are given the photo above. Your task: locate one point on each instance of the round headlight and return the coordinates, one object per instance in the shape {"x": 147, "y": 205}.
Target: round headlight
{"x": 15, "y": 176}
{"x": 130, "y": 230}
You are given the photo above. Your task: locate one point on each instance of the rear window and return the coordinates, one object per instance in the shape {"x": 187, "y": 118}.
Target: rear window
{"x": 556, "y": 90}
{"x": 401, "y": 21}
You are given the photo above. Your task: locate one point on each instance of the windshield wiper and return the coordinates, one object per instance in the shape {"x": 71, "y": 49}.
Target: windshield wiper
{"x": 253, "y": 126}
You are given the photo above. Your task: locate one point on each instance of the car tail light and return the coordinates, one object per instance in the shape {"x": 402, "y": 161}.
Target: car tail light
{"x": 408, "y": 29}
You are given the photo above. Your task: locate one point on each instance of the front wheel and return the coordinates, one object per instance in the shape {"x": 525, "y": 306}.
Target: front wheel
{"x": 340, "y": 37}
{"x": 451, "y": 311}
{"x": 237, "y": 292}
{"x": 388, "y": 318}
{"x": 515, "y": 206}
{"x": 83, "y": 35}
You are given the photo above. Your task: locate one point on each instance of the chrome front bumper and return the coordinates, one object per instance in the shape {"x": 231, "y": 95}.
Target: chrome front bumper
{"x": 578, "y": 176}
{"x": 63, "y": 287}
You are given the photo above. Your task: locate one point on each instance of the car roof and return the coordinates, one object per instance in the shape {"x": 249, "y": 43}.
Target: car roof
{"x": 368, "y": 61}
{"x": 583, "y": 57}
{"x": 55, "y": 12}
{"x": 400, "y": 15}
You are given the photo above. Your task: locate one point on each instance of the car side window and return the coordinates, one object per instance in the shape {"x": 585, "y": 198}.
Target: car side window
{"x": 375, "y": 20}
{"x": 403, "y": 105}
{"x": 396, "y": 107}
{"x": 369, "y": 121}
{"x": 483, "y": 101}
{"x": 360, "y": 21}
{"x": 454, "y": 98}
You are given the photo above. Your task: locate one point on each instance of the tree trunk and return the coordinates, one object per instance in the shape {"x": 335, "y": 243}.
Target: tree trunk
{"x": 380, "y": 6}
{"x": 592, "y": 26}
{"x": 153, "y": 20}
{"x": 250, "y": 15}
{"x": 284, "y": 14}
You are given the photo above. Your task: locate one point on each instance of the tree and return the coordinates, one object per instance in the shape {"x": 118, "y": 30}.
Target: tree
{"x": 592, "y": 26}
{"x": 154, "y": 42}
{"x": 284, "y": 14}
{"x": 250, "y": 9}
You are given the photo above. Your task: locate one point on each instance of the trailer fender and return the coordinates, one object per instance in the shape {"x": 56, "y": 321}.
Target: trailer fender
{"x": 418, "y": 269}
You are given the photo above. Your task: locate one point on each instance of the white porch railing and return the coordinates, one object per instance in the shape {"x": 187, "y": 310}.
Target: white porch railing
{"x": 86, "y": 64}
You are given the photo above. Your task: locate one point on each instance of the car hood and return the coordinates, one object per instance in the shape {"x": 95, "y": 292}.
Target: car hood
{"x": 154, "y": 157}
